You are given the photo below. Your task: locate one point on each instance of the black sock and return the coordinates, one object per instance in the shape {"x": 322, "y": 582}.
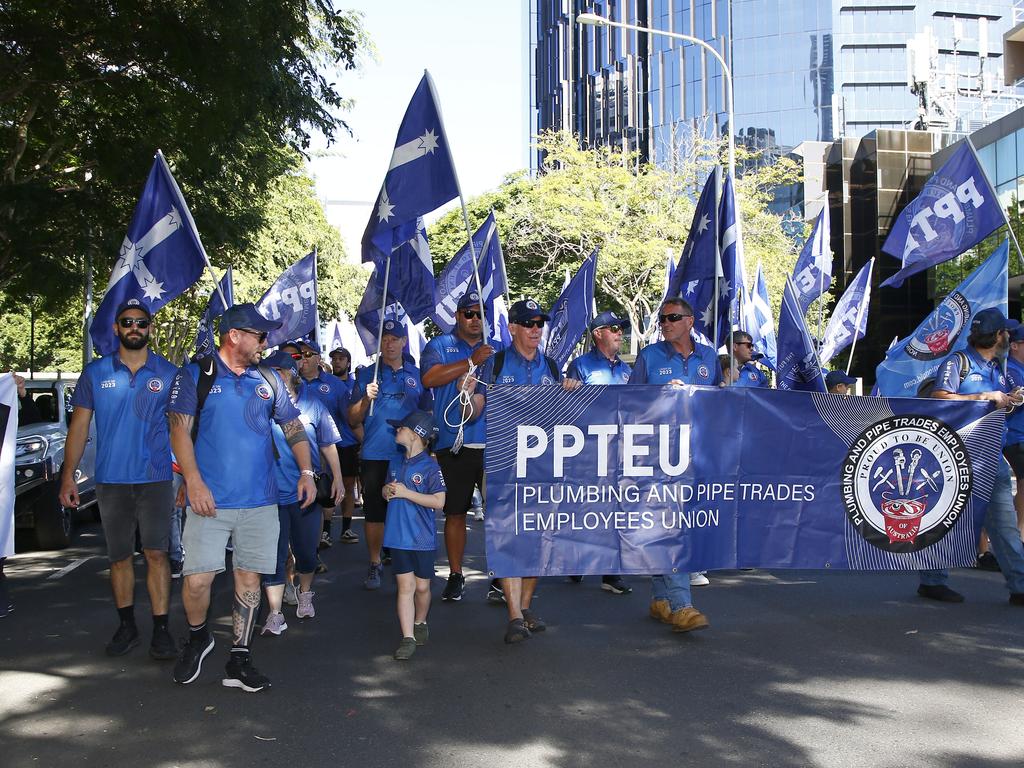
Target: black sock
{"x": 199, "y": 633}
{"x": 327, "y": 526}
{"x": 346, "y": 523}
{"x": 160, "y": 622}
{"x": 127, "y": 614}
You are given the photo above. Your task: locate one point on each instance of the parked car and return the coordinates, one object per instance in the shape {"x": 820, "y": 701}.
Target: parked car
{"x": 38, "y": 459}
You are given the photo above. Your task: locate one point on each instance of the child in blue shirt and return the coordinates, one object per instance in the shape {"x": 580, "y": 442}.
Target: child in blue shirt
{"x": 414, "y": 491}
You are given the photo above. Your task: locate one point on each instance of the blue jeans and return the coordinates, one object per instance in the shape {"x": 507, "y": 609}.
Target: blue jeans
{"x": 674, "y": 587}
{"x": 1003, "y": 534}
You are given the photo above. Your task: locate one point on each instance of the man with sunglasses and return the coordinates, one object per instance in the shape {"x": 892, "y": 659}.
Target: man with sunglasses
{"x": 228, "y": 464}
{"x": 602, "y": 365}
{"x": 395, "y": 390}
{"x": 128, "y": 393}
{"x": 446, "y": 360}
{"x": 677, "y": 360}
{"x": 747, "y": 374}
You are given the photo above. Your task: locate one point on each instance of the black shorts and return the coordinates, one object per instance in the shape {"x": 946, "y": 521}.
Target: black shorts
{"x": 349, "y": 458}
{"x": 1015, "y": 456}
{"x": 125, "y": 506}
{"x": 462, "y": 472}
{"x": 374, "y": 475}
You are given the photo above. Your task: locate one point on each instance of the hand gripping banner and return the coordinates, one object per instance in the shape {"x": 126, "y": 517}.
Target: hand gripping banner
{"x": 655, "y": 479}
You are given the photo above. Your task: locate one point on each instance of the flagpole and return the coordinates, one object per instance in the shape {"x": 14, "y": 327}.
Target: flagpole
{"x": 316, "y": 303}
{"x": 995, "y": 197}
{"x": 860, "y": 314}
{"x": 462, "y": 202}
{"x": 380, "y": 325}
{"x": 188, "y": 215}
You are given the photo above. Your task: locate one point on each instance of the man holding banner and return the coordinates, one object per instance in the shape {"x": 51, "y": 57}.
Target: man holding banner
{"x": 678, "y": 360}
{"x": 747, "y": 374}
{"x": 976, "y": 374}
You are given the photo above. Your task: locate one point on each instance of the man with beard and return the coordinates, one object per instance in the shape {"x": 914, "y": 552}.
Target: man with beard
{"x": 128, "y": 392}
{"x": 976, "y": 374}
{"x": 445, "y": 362}
{"x": 220, "y": 414}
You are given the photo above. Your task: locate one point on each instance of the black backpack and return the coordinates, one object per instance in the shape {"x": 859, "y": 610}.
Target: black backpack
{"x": 928, "y": 385}
{"x": 208, "y": 374}
{"x": 499, "y": 362}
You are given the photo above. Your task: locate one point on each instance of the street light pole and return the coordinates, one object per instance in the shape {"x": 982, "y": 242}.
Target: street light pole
{"x": 592, "y": 19}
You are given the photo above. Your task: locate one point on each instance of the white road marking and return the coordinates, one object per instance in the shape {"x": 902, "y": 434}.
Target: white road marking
{"x": 69, "y": 568}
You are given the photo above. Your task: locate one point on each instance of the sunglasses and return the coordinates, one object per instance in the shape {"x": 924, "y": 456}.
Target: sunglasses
{"x": 303, "y": 355}
{"x": 675, "y": 317}
{"x": 138, "y": 322}
{"x": 613, "y": 328}
{"x": 471, "y": 314}
{"x": 744, "y": 344}
{"x": 531, "y": 323}
{"x": 261, "y": 335}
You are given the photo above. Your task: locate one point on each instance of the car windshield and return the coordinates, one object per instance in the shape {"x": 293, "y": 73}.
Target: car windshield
{"x": 44, "y": 406}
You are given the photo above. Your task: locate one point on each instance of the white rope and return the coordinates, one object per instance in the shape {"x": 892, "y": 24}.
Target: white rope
{"x": 463, "y": 399}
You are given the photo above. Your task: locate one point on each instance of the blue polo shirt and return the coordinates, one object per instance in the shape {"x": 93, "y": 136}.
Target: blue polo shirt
{"x": 1015, "y": 421}
{"x": 595, "y": 368}
{"x": 660, "y": 363}
{"x": 516, "y": 370}
{"x": 320, "y": 431}
{"x": 335, "y": 395}
{"x": 412, "y": 526}
{"x": 132, "y": 441}
{"x": 982, "y": 376}
{"x": 234, "y": 447}
{"x": 750, "y": 376}
{"x": 400, "y": 393}
{"x": 444, "y": 350}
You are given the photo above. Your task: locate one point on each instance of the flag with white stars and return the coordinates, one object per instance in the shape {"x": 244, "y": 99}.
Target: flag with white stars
{"x": 420, "y": 177}
{"x": 798, "y": 365}
{"x": 160, "y": 257}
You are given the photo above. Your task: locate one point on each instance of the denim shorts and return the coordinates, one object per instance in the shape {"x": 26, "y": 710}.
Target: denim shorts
{"x": 253, "y": 532}
{"x": 420, "y": 562}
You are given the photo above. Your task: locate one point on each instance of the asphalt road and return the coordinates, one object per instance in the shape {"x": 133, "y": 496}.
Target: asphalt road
{"x": 799, "y": 668}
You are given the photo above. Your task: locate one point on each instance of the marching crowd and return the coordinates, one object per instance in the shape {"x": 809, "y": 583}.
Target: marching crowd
{"x": 262, "y": 449}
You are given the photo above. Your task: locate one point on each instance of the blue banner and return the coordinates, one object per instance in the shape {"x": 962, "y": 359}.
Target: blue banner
{"x": 917, "y": 357}
{"x": 651, "y": 480}
{"x": 571, "y": 313}
{"x": 849, "y": 319}
{"x": 812, "y": 275}
{"x": 956, "y": 210}
{"x": 291, "y": 300}
{"x": 798, "y": 364}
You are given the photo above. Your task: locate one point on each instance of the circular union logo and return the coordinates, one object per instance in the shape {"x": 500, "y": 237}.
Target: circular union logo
{"x": 155, "y": 385}
{"x": 264, "y": 391}
{"x": 417, "y": 478}
{"x": 324, "y": 388}
{"x": 410, "y": 382}
{"x": 703, "y": 372}
{"x": 941, "y": 332}
{"x": 905, "y": 482}
{"x": 753, "y": 376}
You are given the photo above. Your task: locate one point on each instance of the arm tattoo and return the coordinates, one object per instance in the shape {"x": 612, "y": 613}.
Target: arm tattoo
{"x": 243, "y": 617}
{"x": 294, "y": 432}
{"x": 180, "y": 421}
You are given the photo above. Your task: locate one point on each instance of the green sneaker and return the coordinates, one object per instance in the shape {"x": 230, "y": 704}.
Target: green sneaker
{"x": 421, "y": 633}
{"x": 406, "y": 649}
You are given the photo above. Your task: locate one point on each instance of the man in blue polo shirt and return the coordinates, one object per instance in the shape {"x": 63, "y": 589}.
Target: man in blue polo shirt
{"x": 348, "y": 448}
{"x": 983, "y": 379}
{"x": 743, "y": 353}
{"x": 395, "y": 390}
{"x": 446, "y": 361}
{"x": 677, "y": 360}
{"x": 128, "y": 392}
{"x": 1014, "y": 448}
{"x": 602, "y": 365}
{"x": 228, "y": 464}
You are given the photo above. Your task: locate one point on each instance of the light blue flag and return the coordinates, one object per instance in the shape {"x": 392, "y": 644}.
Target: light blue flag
{"x": 799, "y": 367}
{"x": 571, "y": 313}
{"x": 759, "y": 322}
{"x": 420, "y": 177}
{"x": 917, "y": 357}
{"x": 699, "y": 267}
{"x": 956, "y": 210}
{"x": 160, "y": 257}
{"x": 291, "y": 301}
{"x": 457, "y": 277}
{"x": 205, "y": 343}
{"x": 849, "y": 319}
{"x": 812, "y": 275}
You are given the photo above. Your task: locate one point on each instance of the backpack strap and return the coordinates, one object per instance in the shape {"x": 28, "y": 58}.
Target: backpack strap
{"x": 499, "y": 363}
{"x": 965, "y": 366}
{"x": 207, "y": 375}
{"x": 553, "y": 367}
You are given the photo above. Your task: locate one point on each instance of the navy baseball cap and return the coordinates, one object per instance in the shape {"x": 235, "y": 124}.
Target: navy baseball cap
{"x": 124, "y": 306}
{"x": 280, "y": 359}
{"x": 991, "y": 320}
{"x": 246, "y": 316}
{"x": 524, "y": 310}
{"x": 608, "y": 318}
{"x": 395, "y": 328}
{"x": 832, "y": 378}
{"x": 1017, "y": 334}
{"x": 420, "y": 422}
{"x": 469, "y": 299}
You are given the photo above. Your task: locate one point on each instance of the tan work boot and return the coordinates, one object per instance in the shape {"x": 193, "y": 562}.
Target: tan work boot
{"x": 687, "y": 620}
{"x": 661, "y": 610}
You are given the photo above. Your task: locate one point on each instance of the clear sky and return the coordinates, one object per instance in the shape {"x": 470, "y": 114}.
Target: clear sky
{"x": 476, "y": 53}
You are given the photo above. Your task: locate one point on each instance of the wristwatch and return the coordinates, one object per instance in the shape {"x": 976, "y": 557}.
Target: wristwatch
{"x": 308, "y": 472}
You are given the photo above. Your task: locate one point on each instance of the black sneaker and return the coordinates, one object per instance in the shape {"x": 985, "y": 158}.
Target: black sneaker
{"x": 385, "y": 556}
{"x": 320, "y": 567}
{"x": 495, "y": 594}
{"x": 162, "y": 647}
{"x": 240, "y": 673}
{"x": 516, "y": 632}
{"x": 455, "y": 587}
{"x": 987, "y": 562}
{"x": 126, "y": 638}
{"x": 190, "y": 660}
{"x": 325, "y": 540}
{"x": 615, "y": 585}
{"x": 176, "y": 566}
{"x": 940, "y": 592}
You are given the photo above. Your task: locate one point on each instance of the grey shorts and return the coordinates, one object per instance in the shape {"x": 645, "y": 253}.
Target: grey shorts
{"x": 253, "y": 532}
{"x": 123, "y": 506}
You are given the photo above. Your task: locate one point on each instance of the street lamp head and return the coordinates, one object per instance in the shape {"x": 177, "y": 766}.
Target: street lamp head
{"x": 592, "y": 19}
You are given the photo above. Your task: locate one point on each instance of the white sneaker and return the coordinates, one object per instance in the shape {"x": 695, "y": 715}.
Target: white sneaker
{"x": 290, "y": 595}
{"x": 477, "y": 513}
{"x": 305, "y": 609}
{"x": 698, "y": 580}
{"x": 349, "y": 537}
{"x": 275, "y": 624}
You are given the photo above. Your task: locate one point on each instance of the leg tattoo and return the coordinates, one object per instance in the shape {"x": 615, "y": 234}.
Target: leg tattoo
{"x": 244, "y": 617}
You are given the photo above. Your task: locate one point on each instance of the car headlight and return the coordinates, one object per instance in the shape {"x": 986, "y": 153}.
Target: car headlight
{"x": 30, "y": 449}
